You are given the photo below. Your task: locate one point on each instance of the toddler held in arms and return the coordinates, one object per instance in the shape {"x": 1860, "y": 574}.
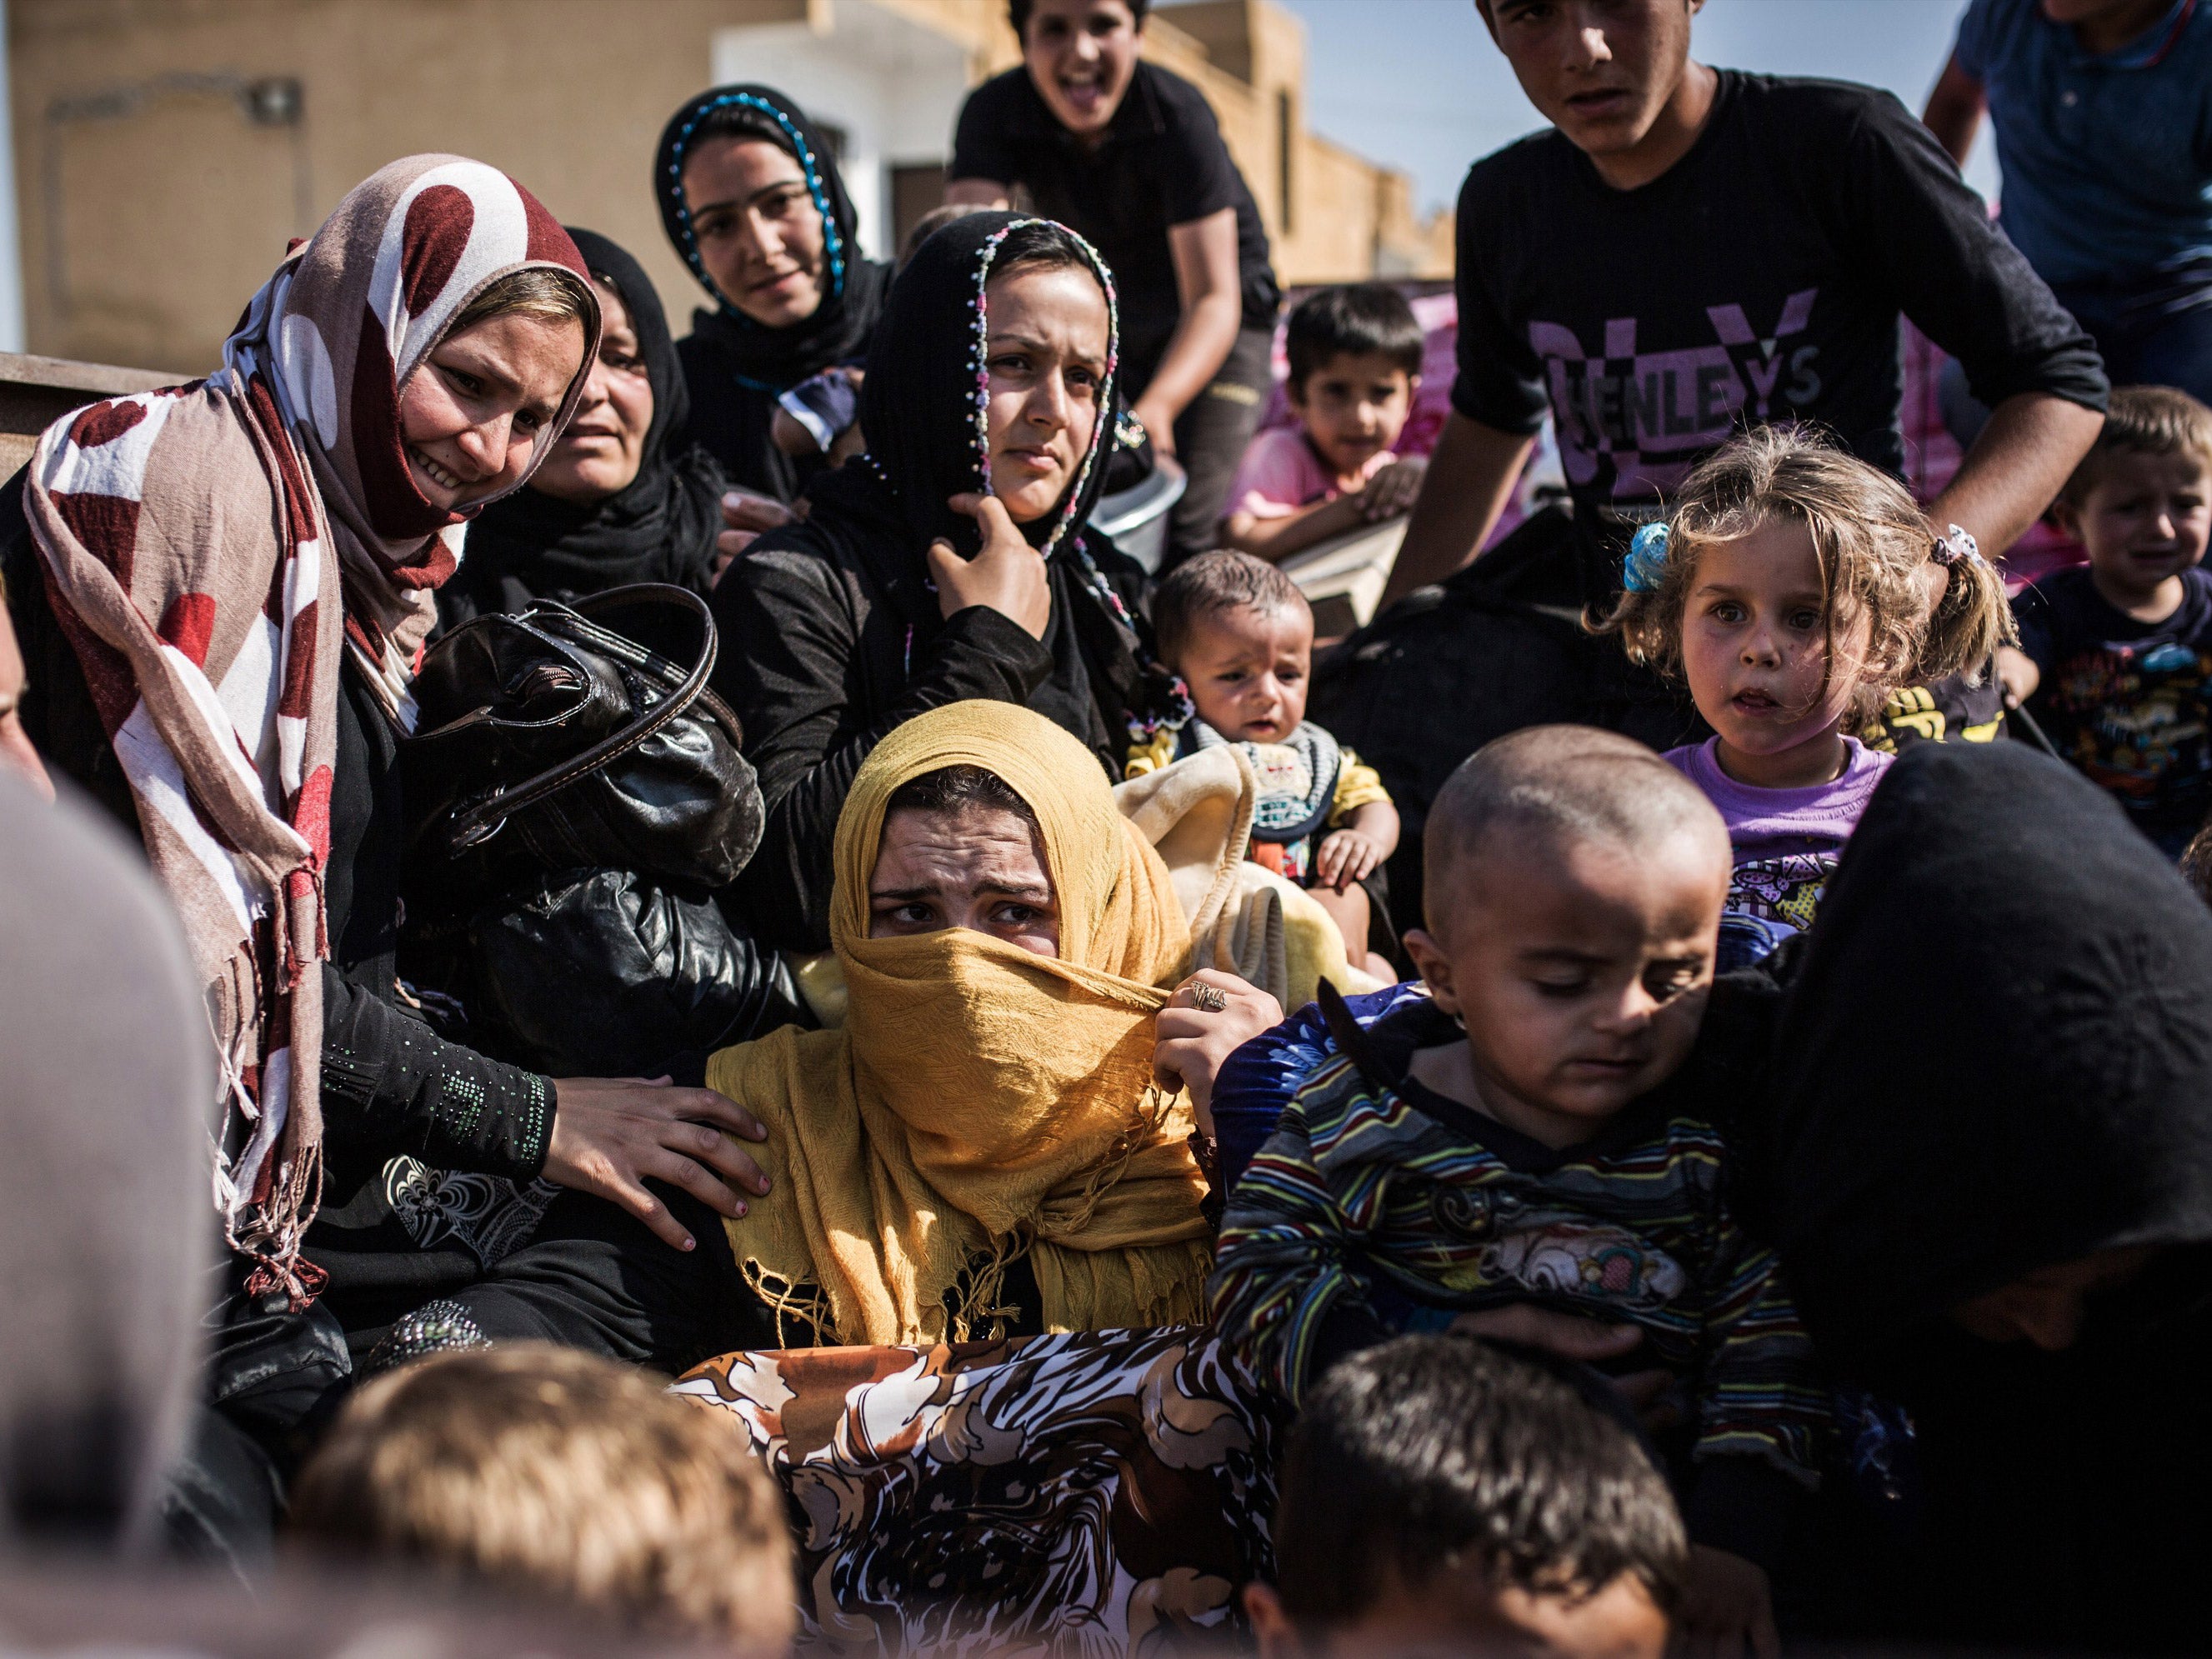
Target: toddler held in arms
{"x": 1355, "y": 357}
{"x": 1534, "y": 1131}
{"x": 1791, "y": 587}
{"x": 557, "y": 1478}
{"x": 1441, "y": 1495}
{"x": 2115, "y": 658}
{"x": 1240, "y": 635}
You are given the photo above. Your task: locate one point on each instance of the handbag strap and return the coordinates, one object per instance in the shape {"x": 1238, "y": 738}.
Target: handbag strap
{"x": 481, "y": 822}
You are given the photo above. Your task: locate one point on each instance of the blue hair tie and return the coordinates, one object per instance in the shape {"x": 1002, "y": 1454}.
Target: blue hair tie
{"x": 1645, "y": 567}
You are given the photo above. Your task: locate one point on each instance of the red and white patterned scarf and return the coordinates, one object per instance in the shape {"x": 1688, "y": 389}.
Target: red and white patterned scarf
{"x": 211, "y": 550}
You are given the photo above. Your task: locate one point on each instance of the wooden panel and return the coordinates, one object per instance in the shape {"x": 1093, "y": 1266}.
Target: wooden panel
{"x": 36, "y": 391}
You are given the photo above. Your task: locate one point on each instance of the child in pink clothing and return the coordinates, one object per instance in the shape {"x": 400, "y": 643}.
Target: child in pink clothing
{"x": 1355, "y": 357}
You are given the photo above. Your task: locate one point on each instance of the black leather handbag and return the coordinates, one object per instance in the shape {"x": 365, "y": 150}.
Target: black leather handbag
{"x": 575, "y": 801}
{"x": 574, "y": 735}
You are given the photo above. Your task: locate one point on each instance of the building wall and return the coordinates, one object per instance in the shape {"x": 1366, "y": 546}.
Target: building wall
{"x": 167, "y": 150}
{"x": 151, "y": 205}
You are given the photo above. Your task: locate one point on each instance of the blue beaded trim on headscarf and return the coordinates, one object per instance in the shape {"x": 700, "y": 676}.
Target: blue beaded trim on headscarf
{"x": 833, "y": 242}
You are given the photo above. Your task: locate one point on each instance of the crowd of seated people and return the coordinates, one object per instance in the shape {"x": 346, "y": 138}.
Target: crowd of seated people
{"x": 1733, "y": 1173}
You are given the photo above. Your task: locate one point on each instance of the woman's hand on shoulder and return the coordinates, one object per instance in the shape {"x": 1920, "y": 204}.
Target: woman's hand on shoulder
{"x": 1200, "y": 1028}
{"x": 1728, "y": 1607}
{"x": 1585, "y": 1341}
{"x": 744, "y": 515}
{"x": 1006, "y": 576}
{"x": 612, "y": 1134}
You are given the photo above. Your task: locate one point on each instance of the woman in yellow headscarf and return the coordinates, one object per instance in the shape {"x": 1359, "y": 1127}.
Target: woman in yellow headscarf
{"x": 991, "y": 1133}
{"x": 996, "y": 1141}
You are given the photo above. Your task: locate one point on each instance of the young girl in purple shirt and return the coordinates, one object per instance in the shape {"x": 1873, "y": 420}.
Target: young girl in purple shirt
{"x": 1791, "y": 588}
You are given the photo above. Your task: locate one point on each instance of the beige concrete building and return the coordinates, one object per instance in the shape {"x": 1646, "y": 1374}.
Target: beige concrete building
{"x": 167, "y": 150}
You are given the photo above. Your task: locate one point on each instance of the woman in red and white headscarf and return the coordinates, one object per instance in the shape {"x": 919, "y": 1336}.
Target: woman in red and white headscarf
{"x": 223, "y": 590}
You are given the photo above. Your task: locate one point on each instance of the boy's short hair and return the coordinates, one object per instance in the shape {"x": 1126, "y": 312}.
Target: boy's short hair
{"x": 1018, "y": 13}
{"x": 2197, "y": 863}
{"x": 1214, "y": 582}
{"x": 1551, "y": 783}
{"x": 1436, "y": 1455}
{"x": 1353, "y": 319}
{"x": 2143, "y": 420}
{"x": 546, "y": 1472}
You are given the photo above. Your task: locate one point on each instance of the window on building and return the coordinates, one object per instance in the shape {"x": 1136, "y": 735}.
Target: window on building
{"x": 1286, "y": 142}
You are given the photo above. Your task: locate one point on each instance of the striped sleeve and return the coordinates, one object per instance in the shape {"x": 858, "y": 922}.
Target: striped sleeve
{"x": 1762, "y": 1395}
{"x": 1283, "y": 1266}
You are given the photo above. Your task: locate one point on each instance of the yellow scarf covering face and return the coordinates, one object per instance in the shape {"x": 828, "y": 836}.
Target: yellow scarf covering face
{"x": 980, "y": 1101}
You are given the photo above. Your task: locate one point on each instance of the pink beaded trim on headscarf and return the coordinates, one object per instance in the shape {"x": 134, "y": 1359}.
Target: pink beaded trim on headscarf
{"x": 979, "y": 361}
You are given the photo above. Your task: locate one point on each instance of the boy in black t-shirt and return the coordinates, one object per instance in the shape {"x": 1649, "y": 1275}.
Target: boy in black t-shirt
{"x": 1131, "y": 156}
{"x": 2115, "y": 659}
{"x": 1690, "y": 250}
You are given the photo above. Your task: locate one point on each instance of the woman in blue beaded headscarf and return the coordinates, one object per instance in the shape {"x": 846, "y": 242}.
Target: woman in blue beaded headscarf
{"x": 750, "y": 195}
{"x": 955, "y": 559}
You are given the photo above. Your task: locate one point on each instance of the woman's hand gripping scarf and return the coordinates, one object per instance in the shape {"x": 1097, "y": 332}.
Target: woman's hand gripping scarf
{"x": 197, "y": 542}
{"x": 981, "y": 1101}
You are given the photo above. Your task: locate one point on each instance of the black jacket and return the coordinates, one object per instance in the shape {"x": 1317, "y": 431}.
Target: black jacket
{"x": 828, "y": 640}
{"x": 831, "y": 632}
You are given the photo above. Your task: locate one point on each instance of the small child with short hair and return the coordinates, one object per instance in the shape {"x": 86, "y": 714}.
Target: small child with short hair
{"x": 2115, "y": 658}
{"x": 550, "y": 1473}
{"x": 1530, "y": 1131}
{"x": 1355, "y": 363}
{"x": 1440, "y": 1492}
{"x": 1240, "y": 635}
{"x": 1788, "y": 588}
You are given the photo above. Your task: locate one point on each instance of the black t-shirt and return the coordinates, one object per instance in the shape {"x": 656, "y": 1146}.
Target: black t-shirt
{"x": 1760, "y": 278}
{"x": 1161, "y": 163}
{"x": 2127, "y": 702}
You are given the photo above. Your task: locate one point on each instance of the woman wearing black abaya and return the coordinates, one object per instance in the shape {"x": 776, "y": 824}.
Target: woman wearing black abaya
{"x": 1990, "y": 1173}
{"x": 750, "y": 195}
{"x": 953, "y": 559}
{"x": 624, "y": 494}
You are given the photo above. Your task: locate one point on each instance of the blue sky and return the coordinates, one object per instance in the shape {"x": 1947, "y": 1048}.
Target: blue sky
{"x": 1417, "y": 83}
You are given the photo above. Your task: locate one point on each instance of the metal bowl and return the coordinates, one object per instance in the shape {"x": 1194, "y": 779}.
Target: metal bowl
{"x": 1137, "y": 518}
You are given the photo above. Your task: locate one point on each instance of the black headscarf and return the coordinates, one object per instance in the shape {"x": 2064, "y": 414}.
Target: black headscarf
{"x": 1997, "y": 1052}
{"x": 1996, "y": 1056}
{"x": 737, "y": 366}
{"x": 660, "y": 528}
{"x": 922, "y": 405}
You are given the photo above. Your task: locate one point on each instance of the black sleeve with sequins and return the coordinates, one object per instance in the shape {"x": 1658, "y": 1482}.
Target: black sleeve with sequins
{"x": 391, "y": 1085}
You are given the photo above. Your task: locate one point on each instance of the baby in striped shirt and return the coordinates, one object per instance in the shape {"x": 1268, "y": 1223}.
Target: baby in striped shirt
{"x": 1533, "y": 1129}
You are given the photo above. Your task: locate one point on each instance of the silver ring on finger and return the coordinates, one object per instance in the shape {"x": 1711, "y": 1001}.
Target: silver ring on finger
{"x": 1208, "y": 999}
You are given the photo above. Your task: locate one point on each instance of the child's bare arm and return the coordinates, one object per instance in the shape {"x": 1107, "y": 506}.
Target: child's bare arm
{"x": 1351, "y": 854}
{"x": 789, "y": 437}
{"x": 1275, "y": 538}
{"x": 1378, "y": 820}
{"x": 2018, "y": 674}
